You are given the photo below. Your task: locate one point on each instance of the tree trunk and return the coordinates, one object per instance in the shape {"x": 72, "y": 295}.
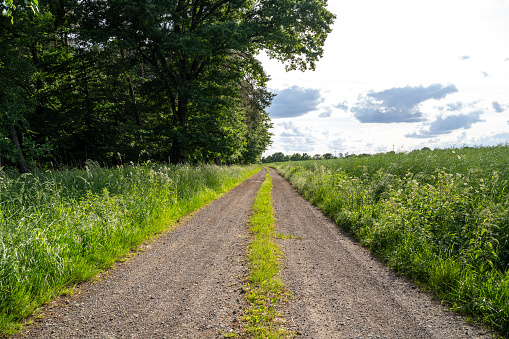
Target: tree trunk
{"x": 218, "y": 160}
{"x": 177, "y": 153}
{"x": 131, "y": 91}
{"x": 180, "y": 117}
{"x": 133, "y": 101}
{"x": 20, "y": 159}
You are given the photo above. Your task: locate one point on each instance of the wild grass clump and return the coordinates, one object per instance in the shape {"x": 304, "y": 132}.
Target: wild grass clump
{"x": 265, "y": 288}
{"x": 63, "y": 227}
{"x": 441, "y": 217}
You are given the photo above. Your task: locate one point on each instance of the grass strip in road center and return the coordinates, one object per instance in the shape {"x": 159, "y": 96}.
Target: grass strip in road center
{"x": 265, "y": 290}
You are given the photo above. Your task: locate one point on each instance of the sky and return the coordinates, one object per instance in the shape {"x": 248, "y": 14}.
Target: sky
{"x": 398, "y": 75}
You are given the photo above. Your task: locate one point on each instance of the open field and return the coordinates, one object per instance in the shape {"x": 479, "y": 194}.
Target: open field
{"x": 440, "y": 217}
{"x": 62, "y": 227}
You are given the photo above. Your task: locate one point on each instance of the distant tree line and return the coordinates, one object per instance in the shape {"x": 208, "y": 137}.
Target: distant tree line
{"x": 281, "y": 157}
{"x": 128, "y": 81}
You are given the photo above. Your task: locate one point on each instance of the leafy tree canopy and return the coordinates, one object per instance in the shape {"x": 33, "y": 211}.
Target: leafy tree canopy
{"x": 202, "y": 50}
{"x": 8, "y": 6}
{"x": 124, "y": 80}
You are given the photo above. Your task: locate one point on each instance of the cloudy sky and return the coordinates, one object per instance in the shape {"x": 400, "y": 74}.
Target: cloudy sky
{"x": 399, "y": 75}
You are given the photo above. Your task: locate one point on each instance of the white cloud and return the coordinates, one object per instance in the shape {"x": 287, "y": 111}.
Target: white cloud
{"x": 342, "y": 105}
{"x": 398, "y": 104}
{"x": 456, "y": 106}
{"x": 445, "y": 125}
{"x": 294, "y": 101}
{"x": 326, "y": 113}
{"x": 292, "y": 138}
{"x": 336, "y": 144}
{"x": 497, "y": 107}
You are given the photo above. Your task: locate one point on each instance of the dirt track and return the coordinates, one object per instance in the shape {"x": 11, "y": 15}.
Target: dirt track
{"x": 187, "y": 284}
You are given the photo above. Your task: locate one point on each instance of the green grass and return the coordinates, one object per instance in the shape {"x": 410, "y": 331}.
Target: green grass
{"x": 440, "y": 217}
{"x": 62, "y": 227}
{"x": 265, "y": 289}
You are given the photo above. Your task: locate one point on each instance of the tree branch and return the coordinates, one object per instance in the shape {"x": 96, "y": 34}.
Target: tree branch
{"x": 219, "y": 4}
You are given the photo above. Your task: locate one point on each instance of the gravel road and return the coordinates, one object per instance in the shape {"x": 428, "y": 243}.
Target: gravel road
{"x": 188, "y": 283}
{"x": 341, "y": 291}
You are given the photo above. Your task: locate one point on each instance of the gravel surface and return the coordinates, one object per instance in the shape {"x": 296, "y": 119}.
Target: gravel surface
{"x": 186, "y": 284}
{"x": 339, "y": 290}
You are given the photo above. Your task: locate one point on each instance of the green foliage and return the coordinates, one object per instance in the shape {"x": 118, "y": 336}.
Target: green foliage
{"x": 265, "y": 289}
{"x": 277, "y": 157}
{"x": 200, "y": 56}
{"x": 255, "y": 100}
{"x": 178, "y": 80}
{"x": 8, "y": 7}
{"x": 62, "y": 227}
{"x": 19, "y": 53}
{"x": 440, "y": 217}
{"x": 111, "y": 79}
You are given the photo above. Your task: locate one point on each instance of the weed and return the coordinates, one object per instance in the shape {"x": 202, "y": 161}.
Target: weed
{"x": 285, "y": 236}
{"x": 230, "y": 334}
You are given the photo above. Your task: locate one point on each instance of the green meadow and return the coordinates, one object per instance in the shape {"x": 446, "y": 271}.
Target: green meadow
{"x": 440, "y": 217}
{"x": 58, "y": 228}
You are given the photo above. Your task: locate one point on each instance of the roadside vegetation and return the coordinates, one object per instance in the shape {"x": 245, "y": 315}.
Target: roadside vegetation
{"x": 265, "y": 290}
{"x": 58, "y": 228}
{"x": 440, "y": 217}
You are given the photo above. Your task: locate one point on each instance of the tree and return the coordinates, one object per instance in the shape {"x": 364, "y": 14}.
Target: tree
{"x": 110, "y": 80}
{"x": 306, "y": 156}
{"x": 328, "y": 156}
{"x": 16, "y": 102}
{"x": 199, "y": 50}
{"x": 255, "y": 98}
{"x": 14, "y": 105}
{"x": 8, "y": 6}
{"x": 279, "y": 157}
{"x": 295, "y": 157}
{"x": 28, "y": 46}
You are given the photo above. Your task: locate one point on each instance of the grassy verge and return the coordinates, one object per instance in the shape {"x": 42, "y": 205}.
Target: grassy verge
{"x": 59, "y": 228}
{"x": 265, "y": 289}
{"x": 440, "y": 217}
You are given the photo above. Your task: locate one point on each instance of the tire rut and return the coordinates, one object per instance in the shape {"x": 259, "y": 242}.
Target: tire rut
{"x": 186, "y": 284}
{"x": 339, "y": 290}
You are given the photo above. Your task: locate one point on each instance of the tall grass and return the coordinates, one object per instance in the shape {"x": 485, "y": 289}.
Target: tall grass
{"x": 440, "y": 217}
{"x": 62, "y": 227}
